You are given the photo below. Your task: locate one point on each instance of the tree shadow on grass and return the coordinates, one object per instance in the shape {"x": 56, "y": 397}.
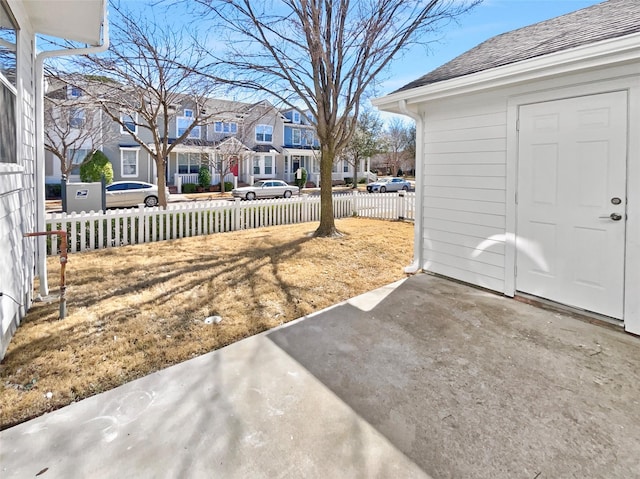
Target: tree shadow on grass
{"x": 55, "y": 341}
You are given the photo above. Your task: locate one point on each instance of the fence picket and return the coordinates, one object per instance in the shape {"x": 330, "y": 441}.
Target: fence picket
{"x": 96, "y": 230}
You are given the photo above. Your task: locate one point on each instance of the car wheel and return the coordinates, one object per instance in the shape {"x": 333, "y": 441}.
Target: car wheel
{"x": 405, "y": 188}
{"x": 151, "y": 201}
{"x": 251, "y": 196}
{"x": 383, "y": 189}
{"x": 287, "y": 194}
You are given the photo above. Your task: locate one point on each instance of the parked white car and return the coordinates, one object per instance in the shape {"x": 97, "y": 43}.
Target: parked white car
{"x": 266, "y": 189}
{"x": 389, "y": 184}
{"x": 132, "y": 193}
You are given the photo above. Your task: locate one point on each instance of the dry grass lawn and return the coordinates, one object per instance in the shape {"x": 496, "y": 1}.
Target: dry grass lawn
{"x": 137, "y": 309}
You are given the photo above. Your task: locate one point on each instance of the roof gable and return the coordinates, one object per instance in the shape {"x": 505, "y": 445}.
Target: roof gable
{"x": 610, "y": 19}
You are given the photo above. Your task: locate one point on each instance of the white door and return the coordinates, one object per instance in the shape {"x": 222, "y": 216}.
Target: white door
{"x": 571, "y": 201}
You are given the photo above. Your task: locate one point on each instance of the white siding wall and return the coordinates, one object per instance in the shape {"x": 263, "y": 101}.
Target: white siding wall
{"x": 464, "y": 181}
{"x": 17, "y": 197}
{"x": 469, "y": 178}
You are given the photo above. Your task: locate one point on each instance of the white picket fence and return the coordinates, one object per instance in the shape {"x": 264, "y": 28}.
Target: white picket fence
{"x": 96, "y": 230}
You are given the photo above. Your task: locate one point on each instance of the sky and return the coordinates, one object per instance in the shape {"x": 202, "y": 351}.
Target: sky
{"x": 490, "y": 18}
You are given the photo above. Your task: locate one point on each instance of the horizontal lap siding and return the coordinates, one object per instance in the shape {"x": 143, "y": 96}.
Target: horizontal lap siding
{"x": 464, "y": 184}
{"x": 17, "y": 198}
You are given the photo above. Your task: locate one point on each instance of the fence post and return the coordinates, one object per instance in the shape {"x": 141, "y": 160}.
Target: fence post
{"x": 141, "y": 224}
{"x": 354, "y": 203}
{"x": 400, "y": 207}
{"x": 236, "y": 214}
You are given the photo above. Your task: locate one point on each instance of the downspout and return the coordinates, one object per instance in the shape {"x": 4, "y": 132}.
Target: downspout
{"x": 41, "y": 249}
{"x": 416, "y": 264}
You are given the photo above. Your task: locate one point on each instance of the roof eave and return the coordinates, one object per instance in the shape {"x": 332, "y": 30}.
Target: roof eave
{"x": 75, "y": 20}
{"x": 606, "y": 53}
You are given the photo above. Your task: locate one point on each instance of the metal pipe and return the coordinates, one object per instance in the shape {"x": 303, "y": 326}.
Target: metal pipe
{"x": 418, "y": 253}
{"x": 63, "y": 264}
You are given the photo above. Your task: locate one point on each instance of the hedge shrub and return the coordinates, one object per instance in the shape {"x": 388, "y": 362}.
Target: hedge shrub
{"x": 94, "y": 166}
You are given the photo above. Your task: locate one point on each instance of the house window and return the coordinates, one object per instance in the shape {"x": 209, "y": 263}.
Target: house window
{"x": 129, "y": 123}
{"x": 185, "y": 122}
{"x": 256, "y": 165}
{"x": 8, "y": 50}
{"x": 268, "y": 165}
{"x": 225, "y": 127}
{"x": 8, "y": 143}
{"x": 129, "y": 163}
{"x": 308, "y": 138}
{"x": 189, "y": 163}
{"x": 296, "y": 117}
{"x": 73, "y": 92}
{"x": 77, "y": 157}
{"x": 76, "y": 118}
{"x": 345, "y": 167}
{"x": 188, "y": 113}
{"x": 8, "y": 68}
{"x": 264, "y": 133}
{"x": 296, "y": 136}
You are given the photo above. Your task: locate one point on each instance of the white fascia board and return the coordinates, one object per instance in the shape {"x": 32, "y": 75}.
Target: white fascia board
{"x": 297, "y": 152}
{"x": 597, "y": 55}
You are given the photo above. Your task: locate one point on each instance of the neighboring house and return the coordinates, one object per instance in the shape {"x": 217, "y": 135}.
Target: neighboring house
{"x": 21, "y": 149}
{"x": 74, "y": 127}
{"x": 240, "y": 142}
{"x": 243, "y": 142}
{"x": 528, "y": 162}
{"x": 300, "y": 146}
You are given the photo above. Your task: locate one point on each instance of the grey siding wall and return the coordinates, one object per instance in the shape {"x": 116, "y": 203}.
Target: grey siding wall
{"x": 17, "y": 200}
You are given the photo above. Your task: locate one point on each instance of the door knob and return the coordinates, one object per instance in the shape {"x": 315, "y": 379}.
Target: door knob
{"x": 612, "y": 216}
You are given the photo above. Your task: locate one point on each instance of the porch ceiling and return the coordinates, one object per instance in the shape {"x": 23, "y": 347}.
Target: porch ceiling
{"x": 76, "y": 20}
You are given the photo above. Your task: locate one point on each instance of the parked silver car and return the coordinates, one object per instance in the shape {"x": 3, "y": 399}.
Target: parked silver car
{"x": 389, "y": 184}
{"x": 132, "y": 193}
{"x": 266, "y": 189}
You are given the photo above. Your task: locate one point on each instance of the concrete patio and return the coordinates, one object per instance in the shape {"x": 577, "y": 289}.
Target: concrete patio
{"x": 423, "y": 378}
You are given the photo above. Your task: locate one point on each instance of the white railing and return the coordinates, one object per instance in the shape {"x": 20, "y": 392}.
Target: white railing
{"x": 180, "y": 179}
{"x": 96, "y": 230}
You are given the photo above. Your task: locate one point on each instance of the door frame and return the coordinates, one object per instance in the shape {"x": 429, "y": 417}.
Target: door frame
{"x": 631, "y": 85}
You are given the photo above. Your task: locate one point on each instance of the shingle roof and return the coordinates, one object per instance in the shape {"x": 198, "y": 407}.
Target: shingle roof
{"x": 265, "y": 148}
{"x": 610, "y": 19}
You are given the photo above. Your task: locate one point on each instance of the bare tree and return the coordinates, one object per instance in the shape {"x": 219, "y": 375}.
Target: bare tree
{"x": 397, "y": 145}
{"x": 153, "y": 72}
{"x": 365, "y": 142}
{"x": 72, "y": 124}
{"x": 230, "y": 155}
{"x": 411, "y": 146}
{"x": 324, "y": 55}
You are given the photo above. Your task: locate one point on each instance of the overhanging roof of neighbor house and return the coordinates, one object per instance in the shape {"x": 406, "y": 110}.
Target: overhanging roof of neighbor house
{"x": 299, "y": 151}
{"x": 76, "y": 20}
{"x": 607, "y": 20}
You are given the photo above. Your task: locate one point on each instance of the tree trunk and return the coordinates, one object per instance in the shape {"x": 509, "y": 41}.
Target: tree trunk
{"x": 162, "y": 181}
{"x": 327, "y": 224}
